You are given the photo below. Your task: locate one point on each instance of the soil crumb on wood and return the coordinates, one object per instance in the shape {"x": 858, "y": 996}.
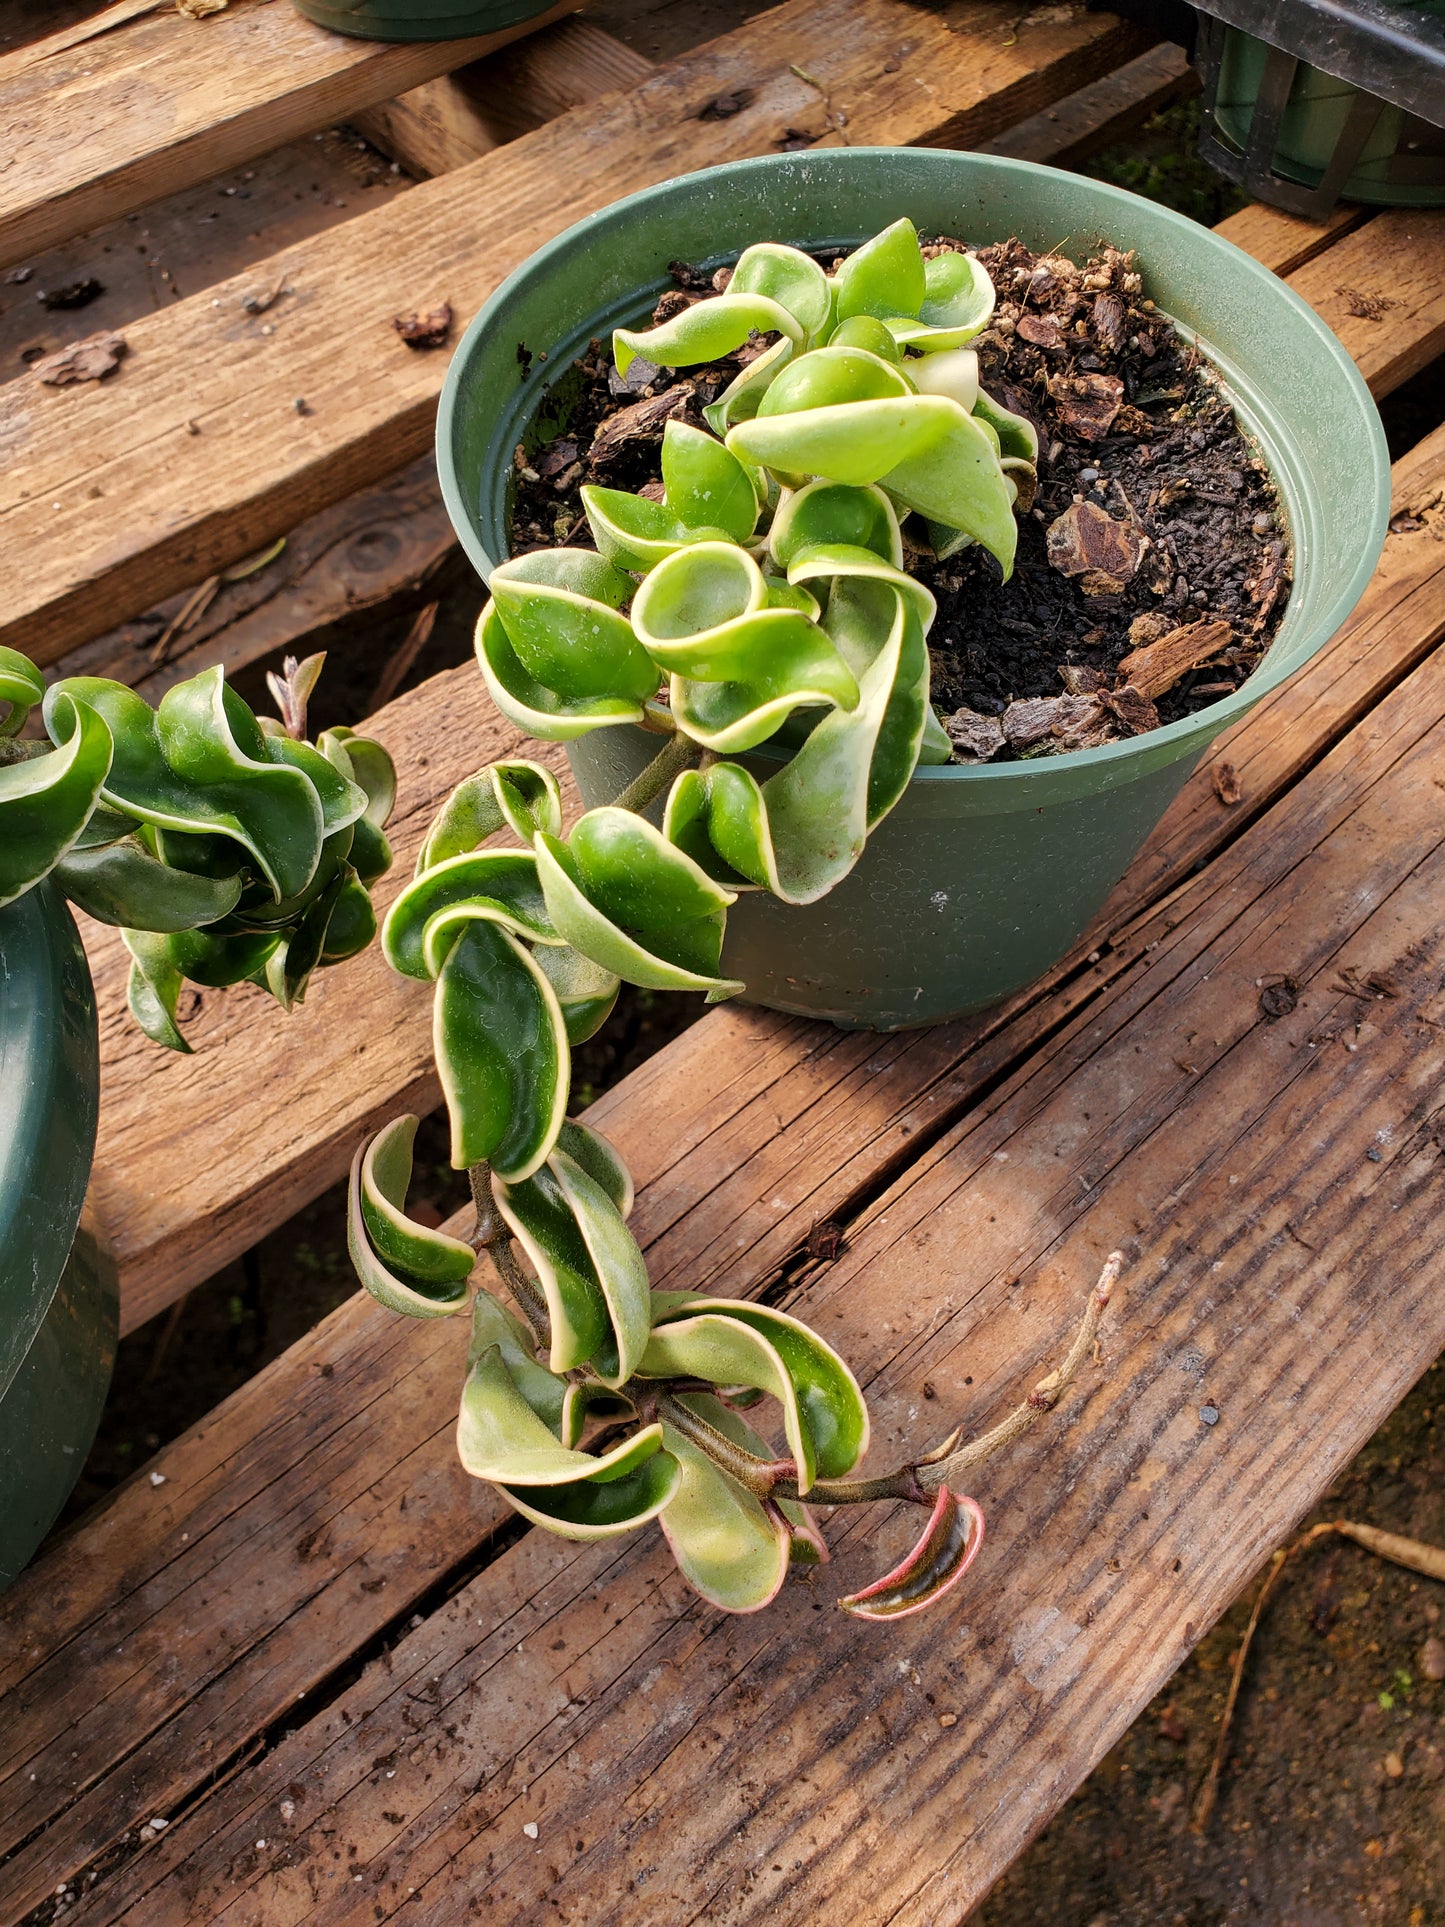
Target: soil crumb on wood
{"x": 1153, "y": 564}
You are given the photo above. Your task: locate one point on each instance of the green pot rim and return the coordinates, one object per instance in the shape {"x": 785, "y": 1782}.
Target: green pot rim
{"x": 396, "y": 20}
{"x": 1365, "y": 436}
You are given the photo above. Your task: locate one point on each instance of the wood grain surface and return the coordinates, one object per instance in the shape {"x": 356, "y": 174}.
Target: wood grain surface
{"x": 117, "y": 503}
{"x": 351, "y": 557}
{"x": 202, "y": 1646}
{"x": 460, "y": 116}
{"x": 99, "y": 122}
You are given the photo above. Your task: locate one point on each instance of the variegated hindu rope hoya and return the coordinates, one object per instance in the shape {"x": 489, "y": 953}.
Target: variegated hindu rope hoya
{"x": 226, "y": 846}
{"x": 763, "y": 602}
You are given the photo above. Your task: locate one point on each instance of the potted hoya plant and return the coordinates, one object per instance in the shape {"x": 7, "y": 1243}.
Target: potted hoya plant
{"x": 228, "y": 848}
{"x": 882, "y": 434}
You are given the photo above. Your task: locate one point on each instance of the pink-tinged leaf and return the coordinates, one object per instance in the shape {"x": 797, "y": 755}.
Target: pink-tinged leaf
{"x": 942, "y": 1556}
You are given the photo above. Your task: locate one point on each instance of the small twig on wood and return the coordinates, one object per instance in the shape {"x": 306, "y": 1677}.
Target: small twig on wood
{"x": 191, "y": 612}
{"x": 1413, "y": 1554}
{"x": 396, "y": 671}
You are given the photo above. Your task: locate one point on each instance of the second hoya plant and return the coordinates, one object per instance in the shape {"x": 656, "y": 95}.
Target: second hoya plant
{"x": 762, "y": 599}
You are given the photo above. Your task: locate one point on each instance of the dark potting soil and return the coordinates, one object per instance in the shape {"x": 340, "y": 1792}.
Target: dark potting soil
{"x": 1155, "y": 520}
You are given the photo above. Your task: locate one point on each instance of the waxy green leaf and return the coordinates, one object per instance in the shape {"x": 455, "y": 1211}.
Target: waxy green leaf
{"x": 705, "y": 332}
{"x": 788, "y": 276}
{"x": 588, "y": 1264}
{"x": 1017, "y": 436}
{"x": 122, "y": 883}
{"x": 501, "y": 1438}
{"x": 22, "y": 688}
{"x": 740, "y": 400}
{"x": 406, "y": 1266}
{"x": 532, "y": 707}
{"x": 567, "y": 638}
{"x": 623, "y": 896}
{"x": 705, "y": 485}
{"x": 494, "y": 1325}
{"x": 823, "y": 1413}
{"x": 46, "y": 801}
{"x": 500, "y": 886}
{"x": 828, "y": 1397}
{"x": 586, "y": 992}
{"x": 502, "y": 1053}
{"x": 884, "y": 277}
{"x": 831, "y": 514}
{"x": 727, "y": 1546}
{"x": 957, "y": 305}
{"x": 517, "y": 795}
{"x": 270, "y": 809}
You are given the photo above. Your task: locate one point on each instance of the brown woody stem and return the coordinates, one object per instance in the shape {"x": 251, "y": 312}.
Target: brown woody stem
{"x": 493, "y": 1237}
{"x": 761, "y": 1477}
{"x": 1043, "y": 1398}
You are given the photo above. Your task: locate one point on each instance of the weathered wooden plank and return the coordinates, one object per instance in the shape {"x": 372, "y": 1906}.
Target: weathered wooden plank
{"x": 1381, "y": 287}
{"x": 1283, "y": 241}
{"x": 350, "y": 558}
{"x": 195, "y": 501}
{"x": 99, "y": 122}
{"x": 460, "y": 116}
{"x": 793, "y": 1766}
{"x": 867, "y": 1099}
{"x": 1103, "y": 112}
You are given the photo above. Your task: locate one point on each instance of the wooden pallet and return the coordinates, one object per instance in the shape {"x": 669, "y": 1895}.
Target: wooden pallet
{"x": 333, "y": 1665}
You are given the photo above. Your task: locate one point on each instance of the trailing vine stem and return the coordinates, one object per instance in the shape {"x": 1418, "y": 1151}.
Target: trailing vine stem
{"x": 493, "y": 1237}
{"x": 680, "y": 753}
{"x": 917, "y": 1483}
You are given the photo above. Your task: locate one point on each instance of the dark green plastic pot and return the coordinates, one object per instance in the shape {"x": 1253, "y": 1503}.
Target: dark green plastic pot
{"x": 58, "y": 1306}
{"x": 980, "y": 879}
{"x": 1313, "y": 121}
{"x": 420, "y": 19}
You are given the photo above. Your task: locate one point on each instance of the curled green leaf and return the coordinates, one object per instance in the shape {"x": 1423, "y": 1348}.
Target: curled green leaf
{"x": 728, "y": 1546}
{"x": 625, "y": 897}
{"x": 406, "y": 1266}
{"x": 588, "y": 1264}
{"x": 705, "y": 332}
{"x": 501, "y": 1438}
{"x": 46, "y": 801}
{"x": 22, "y": 688}
{"x": 517, "y": 795}
{"x": 502, "y": 1053}
{"x": 496, "y": 885}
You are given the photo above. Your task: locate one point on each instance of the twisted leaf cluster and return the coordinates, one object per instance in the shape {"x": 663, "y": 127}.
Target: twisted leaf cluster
{"x": 761, "y": 605}
{"x": 226, "y": 848}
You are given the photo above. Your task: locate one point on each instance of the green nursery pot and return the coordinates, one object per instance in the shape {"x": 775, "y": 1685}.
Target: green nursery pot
{"x": 1313, "y": 121}
{"x": 420, "y": 19}
{"x": 981, "y": 878}
{"x": 58, "y": 1305}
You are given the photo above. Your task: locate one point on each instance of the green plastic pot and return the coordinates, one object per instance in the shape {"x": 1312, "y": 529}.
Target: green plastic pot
{"x": 58, "y": 1303}
{"x": 420, "y": 19}
{"x": 1314, "y": 118}
{"x": 980, "y": 879}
